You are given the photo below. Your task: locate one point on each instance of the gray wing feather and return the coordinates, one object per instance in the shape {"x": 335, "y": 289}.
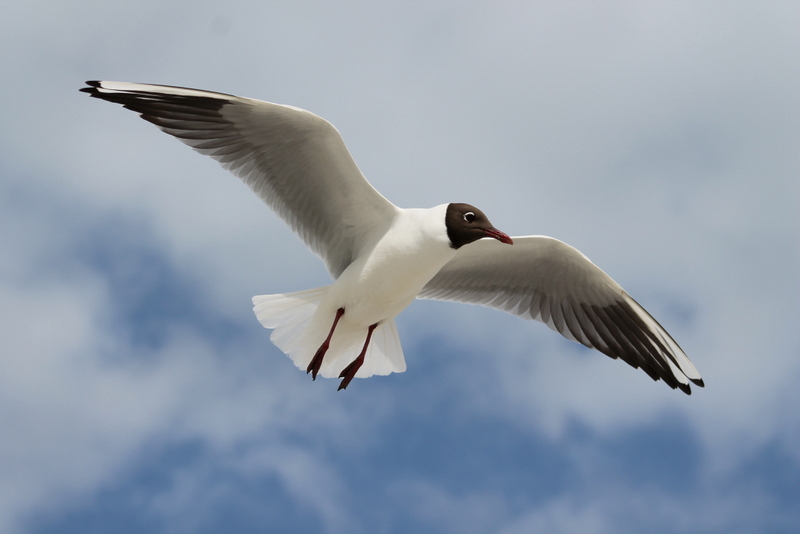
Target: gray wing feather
{"x": 544, "y": 279}
{"x": 294, "y": 160}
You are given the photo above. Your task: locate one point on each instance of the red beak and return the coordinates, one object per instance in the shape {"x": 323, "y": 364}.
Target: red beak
{"x": 500, "y": 236}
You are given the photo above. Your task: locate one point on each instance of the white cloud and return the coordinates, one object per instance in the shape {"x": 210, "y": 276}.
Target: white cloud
{"x": 80, "y": 401}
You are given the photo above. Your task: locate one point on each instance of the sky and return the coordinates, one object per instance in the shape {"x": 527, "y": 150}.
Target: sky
{"x": 138, "y": 393}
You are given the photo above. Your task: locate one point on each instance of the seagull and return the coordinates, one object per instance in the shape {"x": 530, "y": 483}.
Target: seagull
{"x": 382, "y": 257}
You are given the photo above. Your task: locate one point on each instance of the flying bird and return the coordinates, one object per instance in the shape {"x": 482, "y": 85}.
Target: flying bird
{"x": 381, "y": 257}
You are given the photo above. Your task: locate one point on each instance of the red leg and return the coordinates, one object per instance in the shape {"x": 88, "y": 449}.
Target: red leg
{"x": 316, "y": 361}
{"x": 351, "y": 370}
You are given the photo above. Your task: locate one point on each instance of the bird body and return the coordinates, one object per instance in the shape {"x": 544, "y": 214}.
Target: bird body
{"x": 384, "y": 280}
{"x": 375, "y": 288}
{"x": 382, "y": 257}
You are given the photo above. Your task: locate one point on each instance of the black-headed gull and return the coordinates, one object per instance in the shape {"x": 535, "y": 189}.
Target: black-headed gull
{"x": 383, "y": 257}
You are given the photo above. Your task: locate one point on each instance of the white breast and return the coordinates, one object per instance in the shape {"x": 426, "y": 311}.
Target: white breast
{"x": 386, "y": 278}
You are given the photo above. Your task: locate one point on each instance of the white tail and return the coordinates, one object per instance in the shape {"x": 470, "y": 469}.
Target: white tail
{"x": 290, "y": 316}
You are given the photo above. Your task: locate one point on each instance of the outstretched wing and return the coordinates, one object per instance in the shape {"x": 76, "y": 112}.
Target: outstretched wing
{"x": 544, "y": 279}
{"x": 294, "y": 160}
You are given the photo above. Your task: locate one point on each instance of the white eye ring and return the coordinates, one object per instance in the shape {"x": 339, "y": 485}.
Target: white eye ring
{"x": 469, "y": 216}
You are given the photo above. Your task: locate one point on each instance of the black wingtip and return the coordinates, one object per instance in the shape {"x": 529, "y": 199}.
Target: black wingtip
{"x": 685, "y": 388}
{"x": 92, "y": 87}
{"x": 698, "y": 382}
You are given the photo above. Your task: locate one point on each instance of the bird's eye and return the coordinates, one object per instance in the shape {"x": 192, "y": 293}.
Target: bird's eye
{"x": 469, "y": 216}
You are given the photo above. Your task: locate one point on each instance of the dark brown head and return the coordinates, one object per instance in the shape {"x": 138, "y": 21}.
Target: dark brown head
{"x": 466, "y": 224}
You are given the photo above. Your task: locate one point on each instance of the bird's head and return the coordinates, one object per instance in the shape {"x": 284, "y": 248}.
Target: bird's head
{"x": 466, "y": 223}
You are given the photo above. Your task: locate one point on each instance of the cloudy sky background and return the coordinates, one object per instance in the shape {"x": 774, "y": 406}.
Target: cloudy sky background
{"x": 138, "y": 393}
